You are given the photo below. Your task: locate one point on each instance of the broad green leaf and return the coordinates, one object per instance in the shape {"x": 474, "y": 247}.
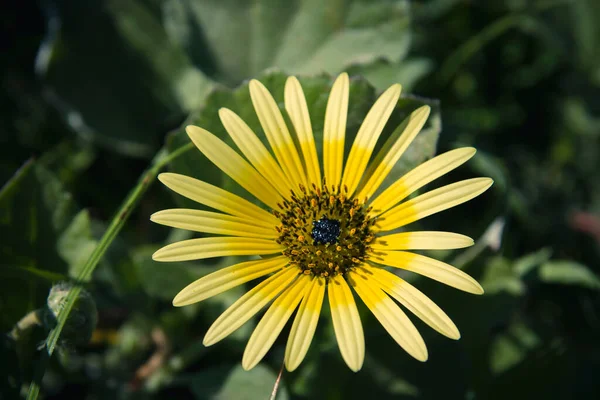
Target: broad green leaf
{"x": 233, "y": 383}
{"x": 383, "y": 74}
{"x": 566, "y": 272}
{"x": 235, "y": 40}
{"x": 34, "y": 211}
{"x": 115, "y": 76}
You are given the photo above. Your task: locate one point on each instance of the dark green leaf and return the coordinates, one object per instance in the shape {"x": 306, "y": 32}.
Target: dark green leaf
{"x": 116, "y": 77}
{"x": 34, "y": 211}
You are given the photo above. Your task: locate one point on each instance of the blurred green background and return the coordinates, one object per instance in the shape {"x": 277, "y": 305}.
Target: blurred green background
{"x": 92, "y": 89}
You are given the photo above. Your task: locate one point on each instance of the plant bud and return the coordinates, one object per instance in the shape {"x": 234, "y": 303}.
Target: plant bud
{"x": 82, "y": 320}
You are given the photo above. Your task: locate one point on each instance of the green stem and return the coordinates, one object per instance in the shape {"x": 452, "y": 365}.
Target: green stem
{"x": 161, "y": 159}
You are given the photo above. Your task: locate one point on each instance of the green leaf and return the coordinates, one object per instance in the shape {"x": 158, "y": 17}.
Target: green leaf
{"x": 566, "y": 272}
{"x": 76, "y": 243}
{"x": 382, "y": 74}
{"x": 115, "y": 76}
{"x": 298, "y": 36}
{"x": 527, "y": 263}
{"x": 161, "y": 280}
{"x": 233, "y": 383}
{"x": 500, "y": 277}
{"x": 512, "y": 347}
{"x": 34, "y": 211}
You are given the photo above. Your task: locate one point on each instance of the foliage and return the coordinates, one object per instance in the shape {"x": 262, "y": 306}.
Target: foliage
{"x": 93, "y": 89}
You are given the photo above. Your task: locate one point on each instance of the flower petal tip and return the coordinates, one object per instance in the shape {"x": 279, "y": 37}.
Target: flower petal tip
{"x": 224, "y": 111}
{"x": 163, "y": 176}
{"x": 396, "y": 87}
{"x": 342, "y": 78}
{"x": 290, "y": 367}
{"x": 291, "y": 79}
{"x": 177, "y": 302}
{"x": 355, "y": 368}
{"x": 156, "y": 255}
{"x": 247, "y": 366}
{"x": 191, "y": 128}
{"x": 255, "y": 85}
{"x": 154, "y": 216}
{"x": 194, "y": 132}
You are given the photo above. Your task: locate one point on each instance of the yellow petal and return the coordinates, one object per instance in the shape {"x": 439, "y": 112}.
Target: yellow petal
{"x": 295, "y": 105}
{"x": 367, "y": 136}
{"x": 305, "y": 324}
{"x": 218, "y": 199}
{"x": 392, "y": 150}
{"x": 227, "y": 278}
{"x": 430, "y": 268}
{"x": 432, "y": 202}
{"x": 273, "y": 322}
{"x": 419, "y": 177}
{"x": 255, "y": 151}
{"x": 277, "y": 133}
{"x": 334, "y": 130}
{"x": 393, "y": 319}
{"x": 346, "y": 323}
{"x": 249, "y": 304}
{"x": 423, "y": 240}
{"x": 415, "y": 301}
{"x": 198, "y": 249}
{"x": 211, "y": 222}
{"x": 230, "y": 162}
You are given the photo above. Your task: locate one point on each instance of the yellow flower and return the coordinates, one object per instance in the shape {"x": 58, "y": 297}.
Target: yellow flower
{"x": 324, "y": 233}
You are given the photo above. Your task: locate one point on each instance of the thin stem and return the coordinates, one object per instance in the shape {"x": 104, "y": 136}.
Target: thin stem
{"x": 277, "y": 381}
{"x": 162, "y": 158}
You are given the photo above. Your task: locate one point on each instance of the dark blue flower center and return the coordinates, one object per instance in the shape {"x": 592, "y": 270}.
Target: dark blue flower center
{"x": 325, "y": 231}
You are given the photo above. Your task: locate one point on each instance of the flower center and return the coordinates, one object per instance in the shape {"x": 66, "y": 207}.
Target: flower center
{"x": 324, "y": 232}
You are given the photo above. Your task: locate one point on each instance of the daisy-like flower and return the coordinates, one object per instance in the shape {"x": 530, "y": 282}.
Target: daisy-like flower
{"x": 325, "y": 232}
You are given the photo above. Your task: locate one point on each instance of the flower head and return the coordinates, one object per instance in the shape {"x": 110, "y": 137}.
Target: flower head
{"x": 325, "y": 232}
